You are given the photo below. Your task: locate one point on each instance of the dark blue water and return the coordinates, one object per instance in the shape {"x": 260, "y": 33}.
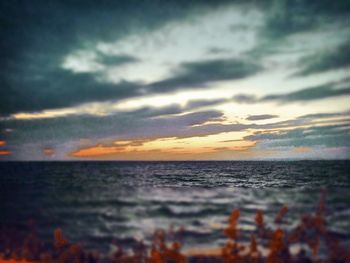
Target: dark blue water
{"x": 96, "y": 202}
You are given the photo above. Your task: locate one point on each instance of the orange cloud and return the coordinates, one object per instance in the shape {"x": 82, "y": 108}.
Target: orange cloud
{"x": 159, "y": 154}
{"x": 94, "y": 151}
{"x": 2, "y": 143}
{"x": 163, "y": 149}
{"x": 5, "y": 153}
{"x": 48, "y": 152}
{"x": 302, "y": 149}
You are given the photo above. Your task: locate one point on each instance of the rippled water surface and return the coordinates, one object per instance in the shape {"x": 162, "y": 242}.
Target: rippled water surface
{"x": 96, "y": 202}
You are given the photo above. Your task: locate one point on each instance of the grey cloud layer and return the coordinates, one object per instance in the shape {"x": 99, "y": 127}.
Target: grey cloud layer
{"x": 338, "y": 58}
{"x": 116, "y": 60}
{"x": 321, "y": 131}
{"x": 36, "y": 37}
{"x": 329, "y": 136}
{"x": 151, "y": 123}
{"x": 308, "y": 94}
{"x": 303, "y": 95}
{"x": 145, "y": 122}
{"x": 261, "y": 117}
{"x": 198, "y": 74}
{"x": 290, "y": 18}
{"x": 62, "y": 88}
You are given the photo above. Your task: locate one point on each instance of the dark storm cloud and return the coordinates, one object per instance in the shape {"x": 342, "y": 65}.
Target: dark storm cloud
{"x": 261, "y": 117}
{"x": 200, "y": 73}
{"x": 330, "y": 59}
{"x": 35, "y": 37}
{"x": 61, "y": 89}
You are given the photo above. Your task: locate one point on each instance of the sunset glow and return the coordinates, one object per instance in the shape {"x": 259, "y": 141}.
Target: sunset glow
{"x": 208, "y": 80}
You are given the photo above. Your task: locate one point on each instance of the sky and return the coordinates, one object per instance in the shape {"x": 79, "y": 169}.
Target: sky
{"x": 174, "y": 80}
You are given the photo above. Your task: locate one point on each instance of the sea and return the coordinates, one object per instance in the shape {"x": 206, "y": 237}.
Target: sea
{"x": 101, "y": 203}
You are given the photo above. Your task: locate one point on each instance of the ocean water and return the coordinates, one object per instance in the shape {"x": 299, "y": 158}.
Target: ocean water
{"x": 97, "y": 202}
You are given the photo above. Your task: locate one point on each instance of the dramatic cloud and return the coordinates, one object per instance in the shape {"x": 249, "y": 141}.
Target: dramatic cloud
{"x": 33, "y": 48}
{"x": 199, "y": 74}
{"x": 337, "y": 58}
{"x": 62, "y": 89}
{"x": 173, "y": 77}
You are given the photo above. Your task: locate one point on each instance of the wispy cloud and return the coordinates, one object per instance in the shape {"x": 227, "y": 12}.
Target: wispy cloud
{"x": 261, "y": 117}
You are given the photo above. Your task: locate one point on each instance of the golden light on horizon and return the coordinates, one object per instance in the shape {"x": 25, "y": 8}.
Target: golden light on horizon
{"x": 49, "y": 152}
{"x": 172, "y": 147}
{"x": 302, "y": 149}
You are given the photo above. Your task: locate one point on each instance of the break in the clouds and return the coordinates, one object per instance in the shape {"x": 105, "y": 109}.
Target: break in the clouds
{"x": 192, "y": 79}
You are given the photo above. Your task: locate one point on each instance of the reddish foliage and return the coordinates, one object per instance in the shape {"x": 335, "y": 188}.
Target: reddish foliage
{"x": 281, "y": 214}
{"x": 266, "y": 245}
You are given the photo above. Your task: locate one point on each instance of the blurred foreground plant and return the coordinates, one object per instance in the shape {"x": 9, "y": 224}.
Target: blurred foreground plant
{"x": 267, "y": 244}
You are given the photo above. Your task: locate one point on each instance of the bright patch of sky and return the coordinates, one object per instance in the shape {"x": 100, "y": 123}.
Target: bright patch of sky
{"x": 227, "y": 32}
